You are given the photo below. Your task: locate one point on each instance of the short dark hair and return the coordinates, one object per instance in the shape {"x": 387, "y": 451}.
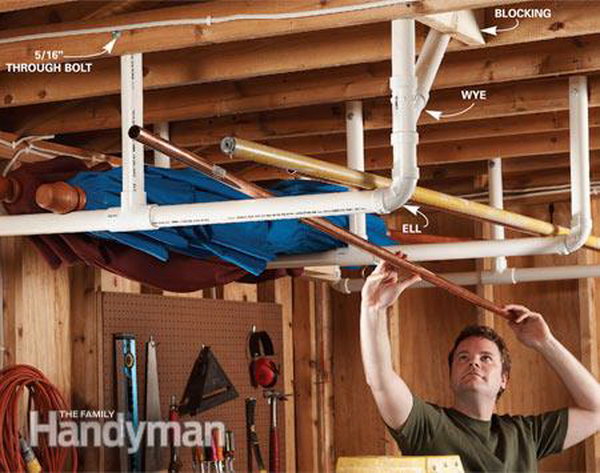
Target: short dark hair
{"x": 488, "y": 333}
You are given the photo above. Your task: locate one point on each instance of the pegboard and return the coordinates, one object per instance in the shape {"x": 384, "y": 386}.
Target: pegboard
{"x": 181, "y": 326}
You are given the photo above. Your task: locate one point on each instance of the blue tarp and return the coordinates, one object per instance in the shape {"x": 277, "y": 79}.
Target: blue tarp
{"x": 249, "y": 245}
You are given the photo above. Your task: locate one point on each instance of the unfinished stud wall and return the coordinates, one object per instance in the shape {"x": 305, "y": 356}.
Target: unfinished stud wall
{"x": 426, "y": 321}
{"x": 51, "y": 321}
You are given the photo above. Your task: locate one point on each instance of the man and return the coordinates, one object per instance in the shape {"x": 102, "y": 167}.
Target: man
{"x": 479, "y": 372}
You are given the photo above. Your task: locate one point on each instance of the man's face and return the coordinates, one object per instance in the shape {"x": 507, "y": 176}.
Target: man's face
{"x": 477, "y": 368}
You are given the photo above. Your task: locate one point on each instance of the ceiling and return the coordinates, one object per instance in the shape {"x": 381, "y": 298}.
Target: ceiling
{"x": 286, "y": 83}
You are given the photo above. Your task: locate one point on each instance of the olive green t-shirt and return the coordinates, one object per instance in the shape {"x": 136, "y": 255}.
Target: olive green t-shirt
{"x": 503, "y": 444}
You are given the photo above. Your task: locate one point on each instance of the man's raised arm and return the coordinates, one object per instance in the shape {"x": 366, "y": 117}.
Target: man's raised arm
{"x": 392, "y": 396}
{"x": 533, "y": 331}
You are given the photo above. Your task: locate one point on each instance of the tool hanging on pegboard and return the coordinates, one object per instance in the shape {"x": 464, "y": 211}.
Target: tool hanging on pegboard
{"x": 252, "y": 445}
{"x": 264, "y": 372}
{"x": 229, "y": 451}
{"x": 152, "y": 454}
{"x": 127, "y": 395}
{"x": 208, "y": 385}
{"x": 273, "y": 398}
{"x": 175, "y": 463}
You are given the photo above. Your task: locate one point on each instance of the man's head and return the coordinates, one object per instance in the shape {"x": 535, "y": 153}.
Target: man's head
{"x": 479, "y": 362}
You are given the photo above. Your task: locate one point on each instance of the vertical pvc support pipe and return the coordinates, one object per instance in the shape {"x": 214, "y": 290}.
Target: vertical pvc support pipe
{"x": 428, "y": 65}
{"x": 161, "y": 160}
{"x": 133, "y": 195}
{"x": 581, "y": 213}
{"x": 355, "y": 144}
{"x": 404, "y": 138}
{"x": 496, "y": 191}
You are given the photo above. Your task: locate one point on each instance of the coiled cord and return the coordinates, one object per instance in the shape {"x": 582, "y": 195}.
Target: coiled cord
{"x": 43, "y": 397}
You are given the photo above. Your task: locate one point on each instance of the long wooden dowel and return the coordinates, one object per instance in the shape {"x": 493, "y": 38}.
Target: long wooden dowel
{"x": 398, "y": 260}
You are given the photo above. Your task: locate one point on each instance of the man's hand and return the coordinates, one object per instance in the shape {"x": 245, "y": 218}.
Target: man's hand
{"x": 530, "y": 327}
{"x": 383, "y": 286}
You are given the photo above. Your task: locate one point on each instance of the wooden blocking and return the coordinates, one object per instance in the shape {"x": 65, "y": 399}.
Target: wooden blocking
{"x": 110, "y": 282}
{"x": 235, "y": 291}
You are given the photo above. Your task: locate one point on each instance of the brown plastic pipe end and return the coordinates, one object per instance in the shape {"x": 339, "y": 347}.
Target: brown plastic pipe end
{"x": 60, "y": 197}
{"x": 10, "y": 190}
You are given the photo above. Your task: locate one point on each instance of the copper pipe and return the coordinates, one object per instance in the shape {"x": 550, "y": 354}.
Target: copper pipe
{"x": 398, "y": 260}
{"x": 305, "y": 165}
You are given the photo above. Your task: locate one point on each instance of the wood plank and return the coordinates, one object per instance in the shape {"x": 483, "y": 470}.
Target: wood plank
{"x": 472, "y": 150}
{"x": 86, "y": 333}
{"x": 356, "y": 83}
{"x": 284, "y": 296}
{"x": 110, "y": 282}
{"x": 177, "y": 37}
{"x": 11, "y": 254}
{"x": 42, "y": 322}
{"x": 305, "y": 376}
{"x": 240, "y": 292}
{"x": 269, "y": 127}
{"x": 324, "y": 345}
{"x": 12, "y": 5}
{"x": 310, "y": 51}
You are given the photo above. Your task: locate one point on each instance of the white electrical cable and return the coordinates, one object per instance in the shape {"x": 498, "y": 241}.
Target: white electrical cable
{"x": 530, "y": 192}
{"x": 209, "y": 20}
{"x": 29, "y": 140}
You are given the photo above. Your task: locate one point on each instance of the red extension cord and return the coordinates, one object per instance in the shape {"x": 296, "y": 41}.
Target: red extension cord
{"x": 44, "y": 397}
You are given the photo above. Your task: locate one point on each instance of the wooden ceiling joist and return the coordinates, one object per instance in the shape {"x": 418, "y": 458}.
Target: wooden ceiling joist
{"x": 538, "y": 144}
{"x": 547, "y": 95}
{"x": 13, "y": 5}
{"x": 315, "y": 51}
{"x": 185, "y": 36}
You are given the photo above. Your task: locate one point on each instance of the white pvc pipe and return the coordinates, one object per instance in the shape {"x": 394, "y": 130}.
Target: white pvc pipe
{"x": 496, "y": 190}
{"x": 404, "y": 138}
{"x": 133, "y": 195}
{"x": 428, "y": 65}
{"x": 430, "y": 252}
{"x": 581, "y": 213}
{"x": 151, "y": 216}
{"x": 273, "y": 208}
{"x": 355, "y": 144}
{"x": 511, "y": 276}
{"x": 161, "y": 160}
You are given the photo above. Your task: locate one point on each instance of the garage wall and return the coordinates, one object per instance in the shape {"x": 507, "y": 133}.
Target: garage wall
{"x": 50, "y": 320}
{"x": 426, "y": 321}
